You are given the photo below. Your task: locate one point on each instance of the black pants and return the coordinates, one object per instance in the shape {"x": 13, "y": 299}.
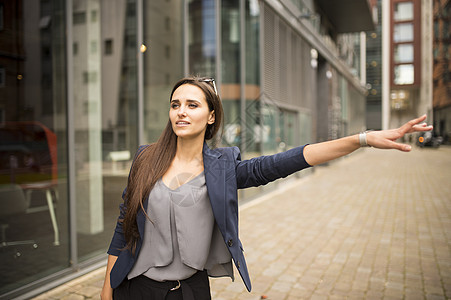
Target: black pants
{"x": 197, "y": 287}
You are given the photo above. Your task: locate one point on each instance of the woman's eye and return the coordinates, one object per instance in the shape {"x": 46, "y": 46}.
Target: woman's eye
{"x": 174, "y": 106}
{"x": 192, "y": 105}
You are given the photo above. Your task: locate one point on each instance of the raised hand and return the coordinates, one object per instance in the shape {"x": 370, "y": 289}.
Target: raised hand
{"x": 386, "y": 139}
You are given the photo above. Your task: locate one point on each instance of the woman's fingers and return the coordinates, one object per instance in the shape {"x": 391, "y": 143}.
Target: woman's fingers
{"x": 419, "y": 119}
{"x": 413, "y": 125}
{"x": 422, "y": 127}
{"x": 389, "y": 142}
{"x": 409, "y": 125}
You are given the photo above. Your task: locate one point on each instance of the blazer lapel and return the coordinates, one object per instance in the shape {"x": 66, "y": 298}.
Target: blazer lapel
{"x": 214, "y": 169}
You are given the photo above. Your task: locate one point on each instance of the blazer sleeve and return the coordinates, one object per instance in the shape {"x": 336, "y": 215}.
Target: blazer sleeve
{"x": 118, "y": 241}
{"x": 264, "y": 169}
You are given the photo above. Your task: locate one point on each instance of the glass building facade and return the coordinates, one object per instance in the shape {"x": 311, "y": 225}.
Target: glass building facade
{"x": 84, "y": 82}
{"x": 374, "y": 70}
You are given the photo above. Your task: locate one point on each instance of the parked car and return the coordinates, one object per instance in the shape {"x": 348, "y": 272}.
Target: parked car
{"x": 427, "y": 139}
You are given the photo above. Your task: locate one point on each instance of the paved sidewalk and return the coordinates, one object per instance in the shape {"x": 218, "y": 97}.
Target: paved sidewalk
{"x": 376, "y": 225}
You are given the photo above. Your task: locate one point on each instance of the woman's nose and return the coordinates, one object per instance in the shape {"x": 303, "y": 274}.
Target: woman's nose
{"x": 182, "y": 111}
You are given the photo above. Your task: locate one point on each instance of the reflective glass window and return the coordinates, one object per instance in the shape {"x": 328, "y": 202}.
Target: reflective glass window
{"x": 403, "y": 11}
{"x": 404, "y": 74}
{"x": 268, "y": 132}
{"x": 202, "y": 37}
{"x": 33, "y": 142}
{"x": 231, "y": 68}
{"x": 252, "y": 88}
{"x": 403, "y": 32}
{"x": 163, "y": 62}
{"x": 403, "y": 53}
{"x": 105, "y": 95}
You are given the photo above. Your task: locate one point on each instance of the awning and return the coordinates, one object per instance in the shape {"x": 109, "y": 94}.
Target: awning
{"x": 348, "y": 15}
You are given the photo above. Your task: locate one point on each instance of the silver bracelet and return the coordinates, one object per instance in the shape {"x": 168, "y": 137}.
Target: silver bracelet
{"x": 362, "y": 140}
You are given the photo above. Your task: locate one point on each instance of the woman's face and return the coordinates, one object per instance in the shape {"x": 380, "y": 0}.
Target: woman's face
{"x": 189, "y": 112}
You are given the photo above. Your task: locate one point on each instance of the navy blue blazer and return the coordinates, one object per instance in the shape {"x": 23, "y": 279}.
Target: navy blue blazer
{"x": 225, "y": 173}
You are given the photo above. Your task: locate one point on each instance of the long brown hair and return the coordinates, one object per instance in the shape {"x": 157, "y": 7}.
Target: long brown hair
{"x": 153, "y": 162}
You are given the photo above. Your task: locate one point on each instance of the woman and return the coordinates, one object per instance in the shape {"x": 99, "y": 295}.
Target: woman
{"x": 179, "y": 220}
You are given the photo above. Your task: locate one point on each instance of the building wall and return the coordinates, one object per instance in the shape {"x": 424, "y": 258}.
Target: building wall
{"x": 313, "y": 87}
{"x": 288, "y": 77}
{"x": 442, "y": 69}
{"x": 410, "y": 70}
{"x": 374, "y": 70}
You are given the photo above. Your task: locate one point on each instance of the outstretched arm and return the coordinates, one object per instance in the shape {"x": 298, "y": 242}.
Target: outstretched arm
{"x": 316, "y": 154}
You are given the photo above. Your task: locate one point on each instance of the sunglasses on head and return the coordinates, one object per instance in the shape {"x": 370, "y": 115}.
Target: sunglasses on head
{"x": 212, "y": 82}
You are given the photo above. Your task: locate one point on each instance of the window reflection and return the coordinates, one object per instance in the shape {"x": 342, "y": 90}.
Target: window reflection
{"x": 403, "y": 32}
{"x": 33, "y": 178}
{"x": 202, "y": 37}
{"x": 163, "y": 61}
{"x": 253, "y": 146}
{"x": 87, "y": 74}
{"x": 403, "y": 53}
{"x": 105, "y": 101}
{"x": 403, "y": 11}
{"x": 231, "y": 67}
{"x": 404, "y": 74}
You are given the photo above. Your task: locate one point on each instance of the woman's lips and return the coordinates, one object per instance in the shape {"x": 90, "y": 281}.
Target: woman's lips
{"x": 182, "y": 123}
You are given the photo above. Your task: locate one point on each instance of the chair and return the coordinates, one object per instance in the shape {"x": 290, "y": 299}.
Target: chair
{"x": 33, "y": 164}
{"x": 49, "y": 190}
{"x": 12, "y": 202}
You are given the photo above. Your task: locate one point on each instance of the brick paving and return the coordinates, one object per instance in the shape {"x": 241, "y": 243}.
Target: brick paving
{"x": 375, "y": 225}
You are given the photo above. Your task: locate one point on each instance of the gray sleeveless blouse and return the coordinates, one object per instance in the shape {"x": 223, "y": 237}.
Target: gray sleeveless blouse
{"x": 183, "y": 236}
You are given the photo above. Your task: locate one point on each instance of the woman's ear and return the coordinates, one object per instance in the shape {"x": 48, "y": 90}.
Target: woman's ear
{"x": 211, "y": 118}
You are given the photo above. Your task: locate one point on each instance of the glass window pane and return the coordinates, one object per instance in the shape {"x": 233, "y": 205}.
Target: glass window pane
{"x": 252, "y": 29}
{"x": 79, "y": 17}
{"x": 230, "y": 31}
{"x": 404, "y": 74}
{"x": 288, "y": 123}
{"x": 230, "y": 70}
{"x": 202, "y": 41}
{"x": 163, "y": 62}
{"x": 87, "y": 112}
{"x": 268, "y": 132}
{"x": 252, "y": 145}
{"x": 105, "y": 118}
{"x": 403, "y": 11}
{"x": 403, "y": 53}
{"x": 403, "y": 32}
{"x": 33, "y": 142}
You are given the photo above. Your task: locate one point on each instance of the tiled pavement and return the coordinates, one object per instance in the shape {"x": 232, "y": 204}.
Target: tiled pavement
{"x": 376, "y": 225}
